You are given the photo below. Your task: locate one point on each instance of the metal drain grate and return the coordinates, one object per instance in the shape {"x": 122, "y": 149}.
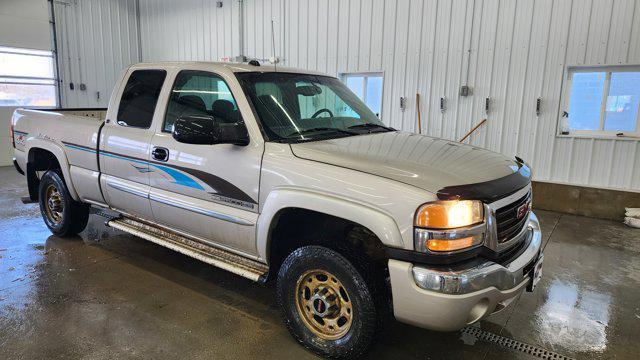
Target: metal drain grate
{"x": 513, "y": 344}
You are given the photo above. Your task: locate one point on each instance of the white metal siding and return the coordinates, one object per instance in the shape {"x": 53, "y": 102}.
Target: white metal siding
{"x": 188, "y": 30}
{"x": 519, "y": 50}
{"x": 96, "y": 41}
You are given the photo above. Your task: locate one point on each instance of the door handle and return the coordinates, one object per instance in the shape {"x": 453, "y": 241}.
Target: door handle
{"x": 160, "y": 153}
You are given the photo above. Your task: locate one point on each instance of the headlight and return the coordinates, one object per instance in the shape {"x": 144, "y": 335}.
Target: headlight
{"x": 446, "y": 226}
{"x": 449, "y": 214}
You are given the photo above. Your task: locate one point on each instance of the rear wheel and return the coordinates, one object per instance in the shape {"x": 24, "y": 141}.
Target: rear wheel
{"x": 326, "y": 303}
{"x": 63, "y": 216}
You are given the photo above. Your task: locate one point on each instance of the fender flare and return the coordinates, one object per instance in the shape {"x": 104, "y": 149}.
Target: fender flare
{"x": 381, "y": 224}
{"x": 61, "y": 156}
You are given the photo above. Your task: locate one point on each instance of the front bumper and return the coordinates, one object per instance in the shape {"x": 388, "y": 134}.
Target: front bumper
{"x": 449, "y": 300}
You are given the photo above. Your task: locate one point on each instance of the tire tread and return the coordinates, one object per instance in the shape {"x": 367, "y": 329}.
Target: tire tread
{"x": 364, "y": 286}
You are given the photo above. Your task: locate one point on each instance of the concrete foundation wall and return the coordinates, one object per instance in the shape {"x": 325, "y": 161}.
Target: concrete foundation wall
{"x": 585, "y": 201}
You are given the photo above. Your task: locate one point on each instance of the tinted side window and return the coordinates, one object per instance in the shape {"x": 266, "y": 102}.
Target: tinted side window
{"x": 139, "y": 98}
{"x": 200, "y": 93}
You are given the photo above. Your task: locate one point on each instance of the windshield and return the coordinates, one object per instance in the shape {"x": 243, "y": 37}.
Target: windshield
{"x": 302, "y": 107}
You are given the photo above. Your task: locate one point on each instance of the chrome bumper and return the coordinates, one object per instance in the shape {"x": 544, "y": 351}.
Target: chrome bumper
{"x": 484, "y": 275}
{"x": 450, "y": 300}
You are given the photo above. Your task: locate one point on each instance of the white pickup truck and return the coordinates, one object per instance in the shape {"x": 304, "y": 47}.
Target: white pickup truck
{"x": 285, "y": 174}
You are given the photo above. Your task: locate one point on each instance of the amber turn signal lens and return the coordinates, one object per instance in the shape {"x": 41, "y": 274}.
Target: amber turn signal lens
{"x": 449, "y": 214}
{"x": 449, "y": 245}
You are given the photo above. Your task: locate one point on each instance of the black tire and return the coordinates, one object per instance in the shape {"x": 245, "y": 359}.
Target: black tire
{"x": 73, "y": 215}
{"x": 361, "y": 292}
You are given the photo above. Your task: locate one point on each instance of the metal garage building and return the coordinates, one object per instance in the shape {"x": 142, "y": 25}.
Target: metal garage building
{"x": 512, "y": 53}
{"x": 554, "y": 82}
{"x": 515, "y": 54}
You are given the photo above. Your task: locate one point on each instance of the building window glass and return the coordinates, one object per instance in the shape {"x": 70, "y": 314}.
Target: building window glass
{"x": 368, "y": 87}
{"x": 602, "y": 101}
{"x": 27, "y": 78}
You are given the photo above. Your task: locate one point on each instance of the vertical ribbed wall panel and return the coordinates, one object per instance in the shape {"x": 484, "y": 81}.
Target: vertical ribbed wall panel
{"x": 195, "y": 30}
{"x": 512, "y": 52}
{"x": 96, "y": 41}
{"x": 518, "y": 53}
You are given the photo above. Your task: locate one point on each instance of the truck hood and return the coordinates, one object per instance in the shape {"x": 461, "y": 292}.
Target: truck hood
{"x": 448, "y": 169}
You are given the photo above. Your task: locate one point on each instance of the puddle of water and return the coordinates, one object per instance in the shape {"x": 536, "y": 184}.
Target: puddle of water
{"x": 574, "y": 318}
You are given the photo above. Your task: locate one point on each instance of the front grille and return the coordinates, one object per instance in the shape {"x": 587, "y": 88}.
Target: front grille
{"x": 507, "y": 223}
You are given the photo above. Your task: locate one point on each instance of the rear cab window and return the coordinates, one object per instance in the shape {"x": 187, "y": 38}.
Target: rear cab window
{"x": 139, "y": 98}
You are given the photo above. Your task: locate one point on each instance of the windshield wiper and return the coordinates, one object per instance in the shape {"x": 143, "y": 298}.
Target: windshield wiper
{"x": 371, "y": 126}
{"x": 317, "y": 129}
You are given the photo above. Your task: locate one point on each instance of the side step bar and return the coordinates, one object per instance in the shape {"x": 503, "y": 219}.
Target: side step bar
{"x": 222, "y": 259}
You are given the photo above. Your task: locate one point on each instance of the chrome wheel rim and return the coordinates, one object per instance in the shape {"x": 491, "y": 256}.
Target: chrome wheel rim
{"x": 323, "y": 304}
{"x": 53, "y": 206}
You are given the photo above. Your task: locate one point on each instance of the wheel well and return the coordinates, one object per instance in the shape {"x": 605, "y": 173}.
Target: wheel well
{"x": 39, "y": 160}
{"x": 293, "y": 228}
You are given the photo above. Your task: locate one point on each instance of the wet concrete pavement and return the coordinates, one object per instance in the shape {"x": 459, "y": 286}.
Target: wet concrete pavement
{"x": 109, "y": 295}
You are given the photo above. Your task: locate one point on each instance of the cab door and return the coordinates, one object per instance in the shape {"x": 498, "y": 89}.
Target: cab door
{"x": 206, "y": 191}
{"x": 124, "y": 147}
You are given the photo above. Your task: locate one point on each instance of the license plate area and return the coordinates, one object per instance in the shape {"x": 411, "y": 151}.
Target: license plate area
{"x": 535, "y": 274}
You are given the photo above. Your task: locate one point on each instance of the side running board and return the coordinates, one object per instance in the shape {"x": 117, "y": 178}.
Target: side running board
{"x": 226, "y": 260}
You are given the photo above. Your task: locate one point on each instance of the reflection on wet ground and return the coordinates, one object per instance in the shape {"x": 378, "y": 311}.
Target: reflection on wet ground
{"x": 586, "y": 311}
{"x": 110, "y": 295}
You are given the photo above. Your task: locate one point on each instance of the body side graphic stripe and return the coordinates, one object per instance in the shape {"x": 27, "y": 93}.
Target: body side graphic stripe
{"x": 219, "y": 185}
{"x": 128, "y": 189}
{"x": 195, "y": 209}
{"x": 199, "y": 210}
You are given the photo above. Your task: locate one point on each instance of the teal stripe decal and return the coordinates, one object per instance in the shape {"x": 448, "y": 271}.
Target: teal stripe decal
{"x": 125, "y": 158}
{"x": 80, "y": 148}
{"x": 177, "y": 176}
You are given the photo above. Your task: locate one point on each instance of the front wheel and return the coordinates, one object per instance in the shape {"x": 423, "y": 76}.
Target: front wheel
{"x": 326, "y": 303}
{"x": 64, "y": 216}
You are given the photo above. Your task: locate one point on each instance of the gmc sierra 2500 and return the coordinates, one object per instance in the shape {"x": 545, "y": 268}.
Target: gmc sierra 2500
{"x": 287, "y": 175}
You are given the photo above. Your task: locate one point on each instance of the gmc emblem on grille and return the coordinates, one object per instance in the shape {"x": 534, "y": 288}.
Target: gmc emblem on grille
{"x": 522, "y": 210}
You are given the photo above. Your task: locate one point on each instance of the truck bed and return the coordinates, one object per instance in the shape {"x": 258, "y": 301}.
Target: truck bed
{"x": 98, "y": 113}
{"x": 71, "y": 135}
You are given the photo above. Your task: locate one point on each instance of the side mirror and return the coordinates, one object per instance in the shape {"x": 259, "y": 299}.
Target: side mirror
{"x": 194, "y": 130}
{"x": 206, "y": 130}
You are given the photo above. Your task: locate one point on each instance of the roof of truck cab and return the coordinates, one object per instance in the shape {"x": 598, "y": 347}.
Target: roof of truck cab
{"x": 229, "y": 66}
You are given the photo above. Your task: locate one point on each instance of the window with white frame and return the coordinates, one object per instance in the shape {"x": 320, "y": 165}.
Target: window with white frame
{"x": 27, "y": 77}
{"x": 602, "y": 100}
{"x": 368, "y": 87}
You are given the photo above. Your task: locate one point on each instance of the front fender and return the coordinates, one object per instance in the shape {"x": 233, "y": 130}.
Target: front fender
{"x": 58, "y": 152}
{"x": 380, "y": 223}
